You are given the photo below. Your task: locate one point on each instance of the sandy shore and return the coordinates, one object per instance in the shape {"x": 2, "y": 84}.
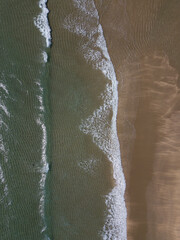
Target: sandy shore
{"x": 143, "y": 42}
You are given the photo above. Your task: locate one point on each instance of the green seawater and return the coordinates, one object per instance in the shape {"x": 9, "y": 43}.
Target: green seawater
{"x": 53, "y": 176}
{"x": 81, "y": 172}
{"x": 23, "y": 79}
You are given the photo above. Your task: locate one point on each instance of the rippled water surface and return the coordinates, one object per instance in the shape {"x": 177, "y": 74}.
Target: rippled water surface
{"x": 60, "y": 166}
{"x": 24, "y": 123}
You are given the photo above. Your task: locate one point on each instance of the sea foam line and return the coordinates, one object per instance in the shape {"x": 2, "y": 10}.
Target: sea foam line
{"x": 3, "y": 109}
{"x": 44, "y": 164}
{"x": 5, "y": 188}
{"x": 3, "y": 147}
{"x": 4, "y": 88}
{"x": 42, "y": 23}
{"x": 87, "y": 25}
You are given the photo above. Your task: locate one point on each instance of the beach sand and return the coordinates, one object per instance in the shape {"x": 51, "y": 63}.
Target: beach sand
{"x": 143, "y": 42}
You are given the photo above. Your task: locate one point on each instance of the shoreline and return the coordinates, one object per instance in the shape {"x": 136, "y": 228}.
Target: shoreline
{"x": 148, "y": 110}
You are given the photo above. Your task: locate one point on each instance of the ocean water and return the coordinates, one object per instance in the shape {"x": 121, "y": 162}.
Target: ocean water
{"x": 87, "y": 174}
{"x": 60, "y": 165}
{"x": 24, "y": 123}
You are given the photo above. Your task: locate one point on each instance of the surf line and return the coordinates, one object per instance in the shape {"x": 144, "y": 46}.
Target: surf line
{"x": 103, "y": 135}
{"x": 42, "y": 23}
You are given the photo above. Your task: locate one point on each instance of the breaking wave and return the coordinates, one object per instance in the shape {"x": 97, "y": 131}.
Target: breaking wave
{"x": 42, "y": 23}
{"x": 104, "y": 133}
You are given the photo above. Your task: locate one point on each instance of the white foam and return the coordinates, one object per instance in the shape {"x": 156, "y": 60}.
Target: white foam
{"x": 5, "y": 198}
{"x": 89, "y": 165}
{"x": 5, "y": 110}
{"x": 87, "y": 7}
{"x": 42, "y": 23}
{"x": 44, "y": 168}
{"x": 3, "y": 148}
{"x": 45, "y": 57}
{"x": 41, "y": 107}
{"x": 76, "y": 25}
{"x": 104, "y": 134}
{"x": 2, "y": 104}
{"x": 2, "y": 179}
{"x": 4, "y": 88}
{"x": 3, "y": 183}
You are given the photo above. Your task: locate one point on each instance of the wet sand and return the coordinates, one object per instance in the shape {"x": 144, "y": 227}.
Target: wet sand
{"x": 143, "y": 42}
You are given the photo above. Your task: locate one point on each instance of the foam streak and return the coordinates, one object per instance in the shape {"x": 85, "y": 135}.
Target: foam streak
{"x": 44, "y": 166}
{"x": 42, "y": 23}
